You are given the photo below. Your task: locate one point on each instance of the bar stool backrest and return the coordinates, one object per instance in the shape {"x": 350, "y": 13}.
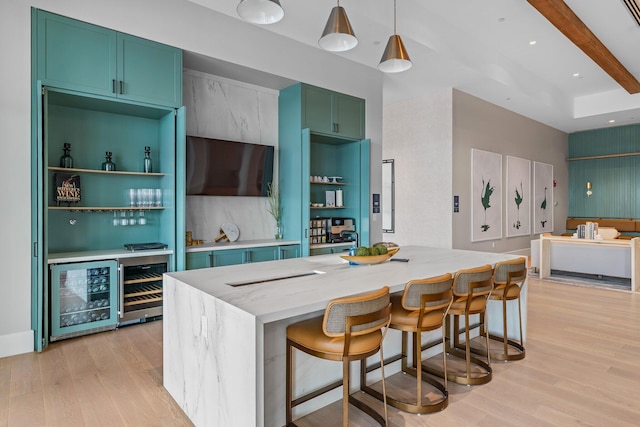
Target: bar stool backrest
{"x": 511, "y": 271}
{"x": 478, "y": 280}
{"x": 341, "y": 311}
{"x": 432, "y": 293}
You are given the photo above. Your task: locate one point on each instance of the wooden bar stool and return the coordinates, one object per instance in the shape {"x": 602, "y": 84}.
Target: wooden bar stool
{"x": 422, "y": 307}
{"x": 508, "y": 279}
{"x": 471, "y": 289}
{"x": 352, "y": 328}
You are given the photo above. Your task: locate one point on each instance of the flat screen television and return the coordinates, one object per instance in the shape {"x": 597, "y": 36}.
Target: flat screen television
{"x": 226, "y": 168}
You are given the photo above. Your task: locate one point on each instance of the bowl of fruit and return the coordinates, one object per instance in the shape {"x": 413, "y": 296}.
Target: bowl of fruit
{"x": 375, "y": 254}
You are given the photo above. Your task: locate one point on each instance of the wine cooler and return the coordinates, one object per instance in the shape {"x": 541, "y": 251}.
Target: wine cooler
{"x": 141, "y": 288}
{"x": 83, "y": 298}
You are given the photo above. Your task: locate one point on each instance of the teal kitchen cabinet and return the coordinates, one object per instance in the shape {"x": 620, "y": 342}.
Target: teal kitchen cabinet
{"x": 332, "y": 113}
{"x": 195, "y": 260}
{"x": 244, "y": 255}
{"x": 219, "y": 258}
{"x": 87, "y": 58}
{"x": 305, "y": 152}
{"x": 267, "y": 253}
{"x": 227, "y": 257}
{"x": 289, "y": 251}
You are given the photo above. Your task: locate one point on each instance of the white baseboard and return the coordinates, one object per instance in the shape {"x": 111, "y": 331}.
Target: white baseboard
{"x": 18, "y": 343}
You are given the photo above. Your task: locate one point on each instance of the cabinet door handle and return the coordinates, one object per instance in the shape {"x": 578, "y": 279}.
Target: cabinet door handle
{"x": 121, "y": 87}
{"x": 335, "y": 127}
{"x": 113, "y": 86}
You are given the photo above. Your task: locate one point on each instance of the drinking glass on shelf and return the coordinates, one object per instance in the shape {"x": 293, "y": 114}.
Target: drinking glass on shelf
{"x": 139, "y": 197}
{"x": 146, "y": 198}
{"x": 133, "y": 197}
{"x": 141, "y": 219}
{"x": 123, "y": 218}
{"x": 157, "y": 197}
{"x": 132, "y": 219}
{"x": 116, "y": 221}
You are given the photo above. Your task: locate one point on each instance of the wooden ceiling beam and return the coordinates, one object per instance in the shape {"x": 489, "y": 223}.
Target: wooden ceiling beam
{"x": 564, "y": 19}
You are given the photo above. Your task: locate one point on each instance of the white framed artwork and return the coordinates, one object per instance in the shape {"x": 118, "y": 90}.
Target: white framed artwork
{"x": 518, "y": 197}
{"x": 486, "y": 195}
{"x": 542, "y": 198}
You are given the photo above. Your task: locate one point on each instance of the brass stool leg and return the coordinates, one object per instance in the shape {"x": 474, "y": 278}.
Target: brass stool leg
{"x": 345, "y": 392}
{"x": 467, "y": 345}
{"x": 504, "y": 327}
{"x": 289, "y": 384}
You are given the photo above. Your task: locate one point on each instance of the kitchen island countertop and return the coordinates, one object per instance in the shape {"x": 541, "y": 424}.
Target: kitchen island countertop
{"x": 224, "y": 345}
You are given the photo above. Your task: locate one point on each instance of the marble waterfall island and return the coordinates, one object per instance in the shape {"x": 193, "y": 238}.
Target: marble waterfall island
{"x": 224, "y": 328}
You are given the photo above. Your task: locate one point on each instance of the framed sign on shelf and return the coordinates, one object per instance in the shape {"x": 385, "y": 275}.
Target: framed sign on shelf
{"x": 542, "y": 198}
{"x": 518, "y": 197}
{"x": 486, "y": 195}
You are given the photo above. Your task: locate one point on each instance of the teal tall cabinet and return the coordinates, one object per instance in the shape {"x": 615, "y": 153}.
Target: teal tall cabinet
{"x": 102, "y": 91}
{"x": 321, "y": 133}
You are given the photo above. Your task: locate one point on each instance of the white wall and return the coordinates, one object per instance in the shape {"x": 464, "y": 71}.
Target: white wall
{"x": 175, "y": 22}
{"x": 418, "y": 135}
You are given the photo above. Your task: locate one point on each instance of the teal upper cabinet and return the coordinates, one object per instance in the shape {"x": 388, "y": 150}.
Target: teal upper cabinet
{"x": 332, "y": 113}
{"x": 136, "y": 57}
{"x": 87, "y": 58}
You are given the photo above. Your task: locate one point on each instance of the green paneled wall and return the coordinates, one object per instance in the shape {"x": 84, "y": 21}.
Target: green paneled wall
{"x": 614, "y": 180}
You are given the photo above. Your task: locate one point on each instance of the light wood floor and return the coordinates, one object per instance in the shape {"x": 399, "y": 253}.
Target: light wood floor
{"x": 582, "y": 368}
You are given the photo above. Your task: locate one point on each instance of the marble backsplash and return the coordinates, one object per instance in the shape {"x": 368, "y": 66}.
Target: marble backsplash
{"x": 221, "y": 108}
{"x": 205, "y": 215}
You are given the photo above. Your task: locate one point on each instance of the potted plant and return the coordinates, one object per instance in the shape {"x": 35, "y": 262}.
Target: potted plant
{"x": 274, "y": 208}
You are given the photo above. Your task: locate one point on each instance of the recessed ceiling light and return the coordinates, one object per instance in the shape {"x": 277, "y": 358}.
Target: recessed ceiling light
{"x": 612, "y": 121}
{"x": 576, "y": 74}
{"x": 532, "y": 42}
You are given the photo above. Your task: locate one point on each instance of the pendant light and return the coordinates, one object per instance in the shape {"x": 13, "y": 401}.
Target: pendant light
{"x": 260, "y": 11}
{"x": 338, "y": 35}
{"x": 395, "y": 57}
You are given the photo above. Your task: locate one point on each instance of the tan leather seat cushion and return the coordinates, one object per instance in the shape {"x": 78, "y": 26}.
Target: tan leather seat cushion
{"x": 308, "y": 333}
{"x": 512, "y": 293}
{"x": 478, "y": 305}
{"x": 407, "y": 320}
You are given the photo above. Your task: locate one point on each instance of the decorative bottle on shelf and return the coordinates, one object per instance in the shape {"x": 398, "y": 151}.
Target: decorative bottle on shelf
{"x": 66, "y": 161}
{"x": 147, "y": 160}
{"x": 108, "y": 165}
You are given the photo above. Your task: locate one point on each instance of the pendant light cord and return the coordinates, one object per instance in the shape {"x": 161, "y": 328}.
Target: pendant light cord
{"x": 394, "y": 17}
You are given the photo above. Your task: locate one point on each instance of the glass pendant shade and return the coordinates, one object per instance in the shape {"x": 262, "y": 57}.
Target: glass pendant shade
{"x": 395, "y": 58}
{"x": 338, "y": 35}
{"x": 260, "y": 11}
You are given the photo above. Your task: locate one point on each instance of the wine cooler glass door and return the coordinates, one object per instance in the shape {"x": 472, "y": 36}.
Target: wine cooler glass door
{"x": 83, "y": 297}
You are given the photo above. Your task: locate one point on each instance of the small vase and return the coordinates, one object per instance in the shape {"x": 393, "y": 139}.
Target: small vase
{"x": 279, "y": 232}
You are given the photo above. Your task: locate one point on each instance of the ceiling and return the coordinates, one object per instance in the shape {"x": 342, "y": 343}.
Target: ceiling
{"x": 482, "y": 48}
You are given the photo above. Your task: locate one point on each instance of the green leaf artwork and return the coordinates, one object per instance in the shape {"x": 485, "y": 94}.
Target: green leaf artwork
{"x": 518, "y": 199}
{"x": 543, "y": 206}
{"x": 487, "y": 191}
